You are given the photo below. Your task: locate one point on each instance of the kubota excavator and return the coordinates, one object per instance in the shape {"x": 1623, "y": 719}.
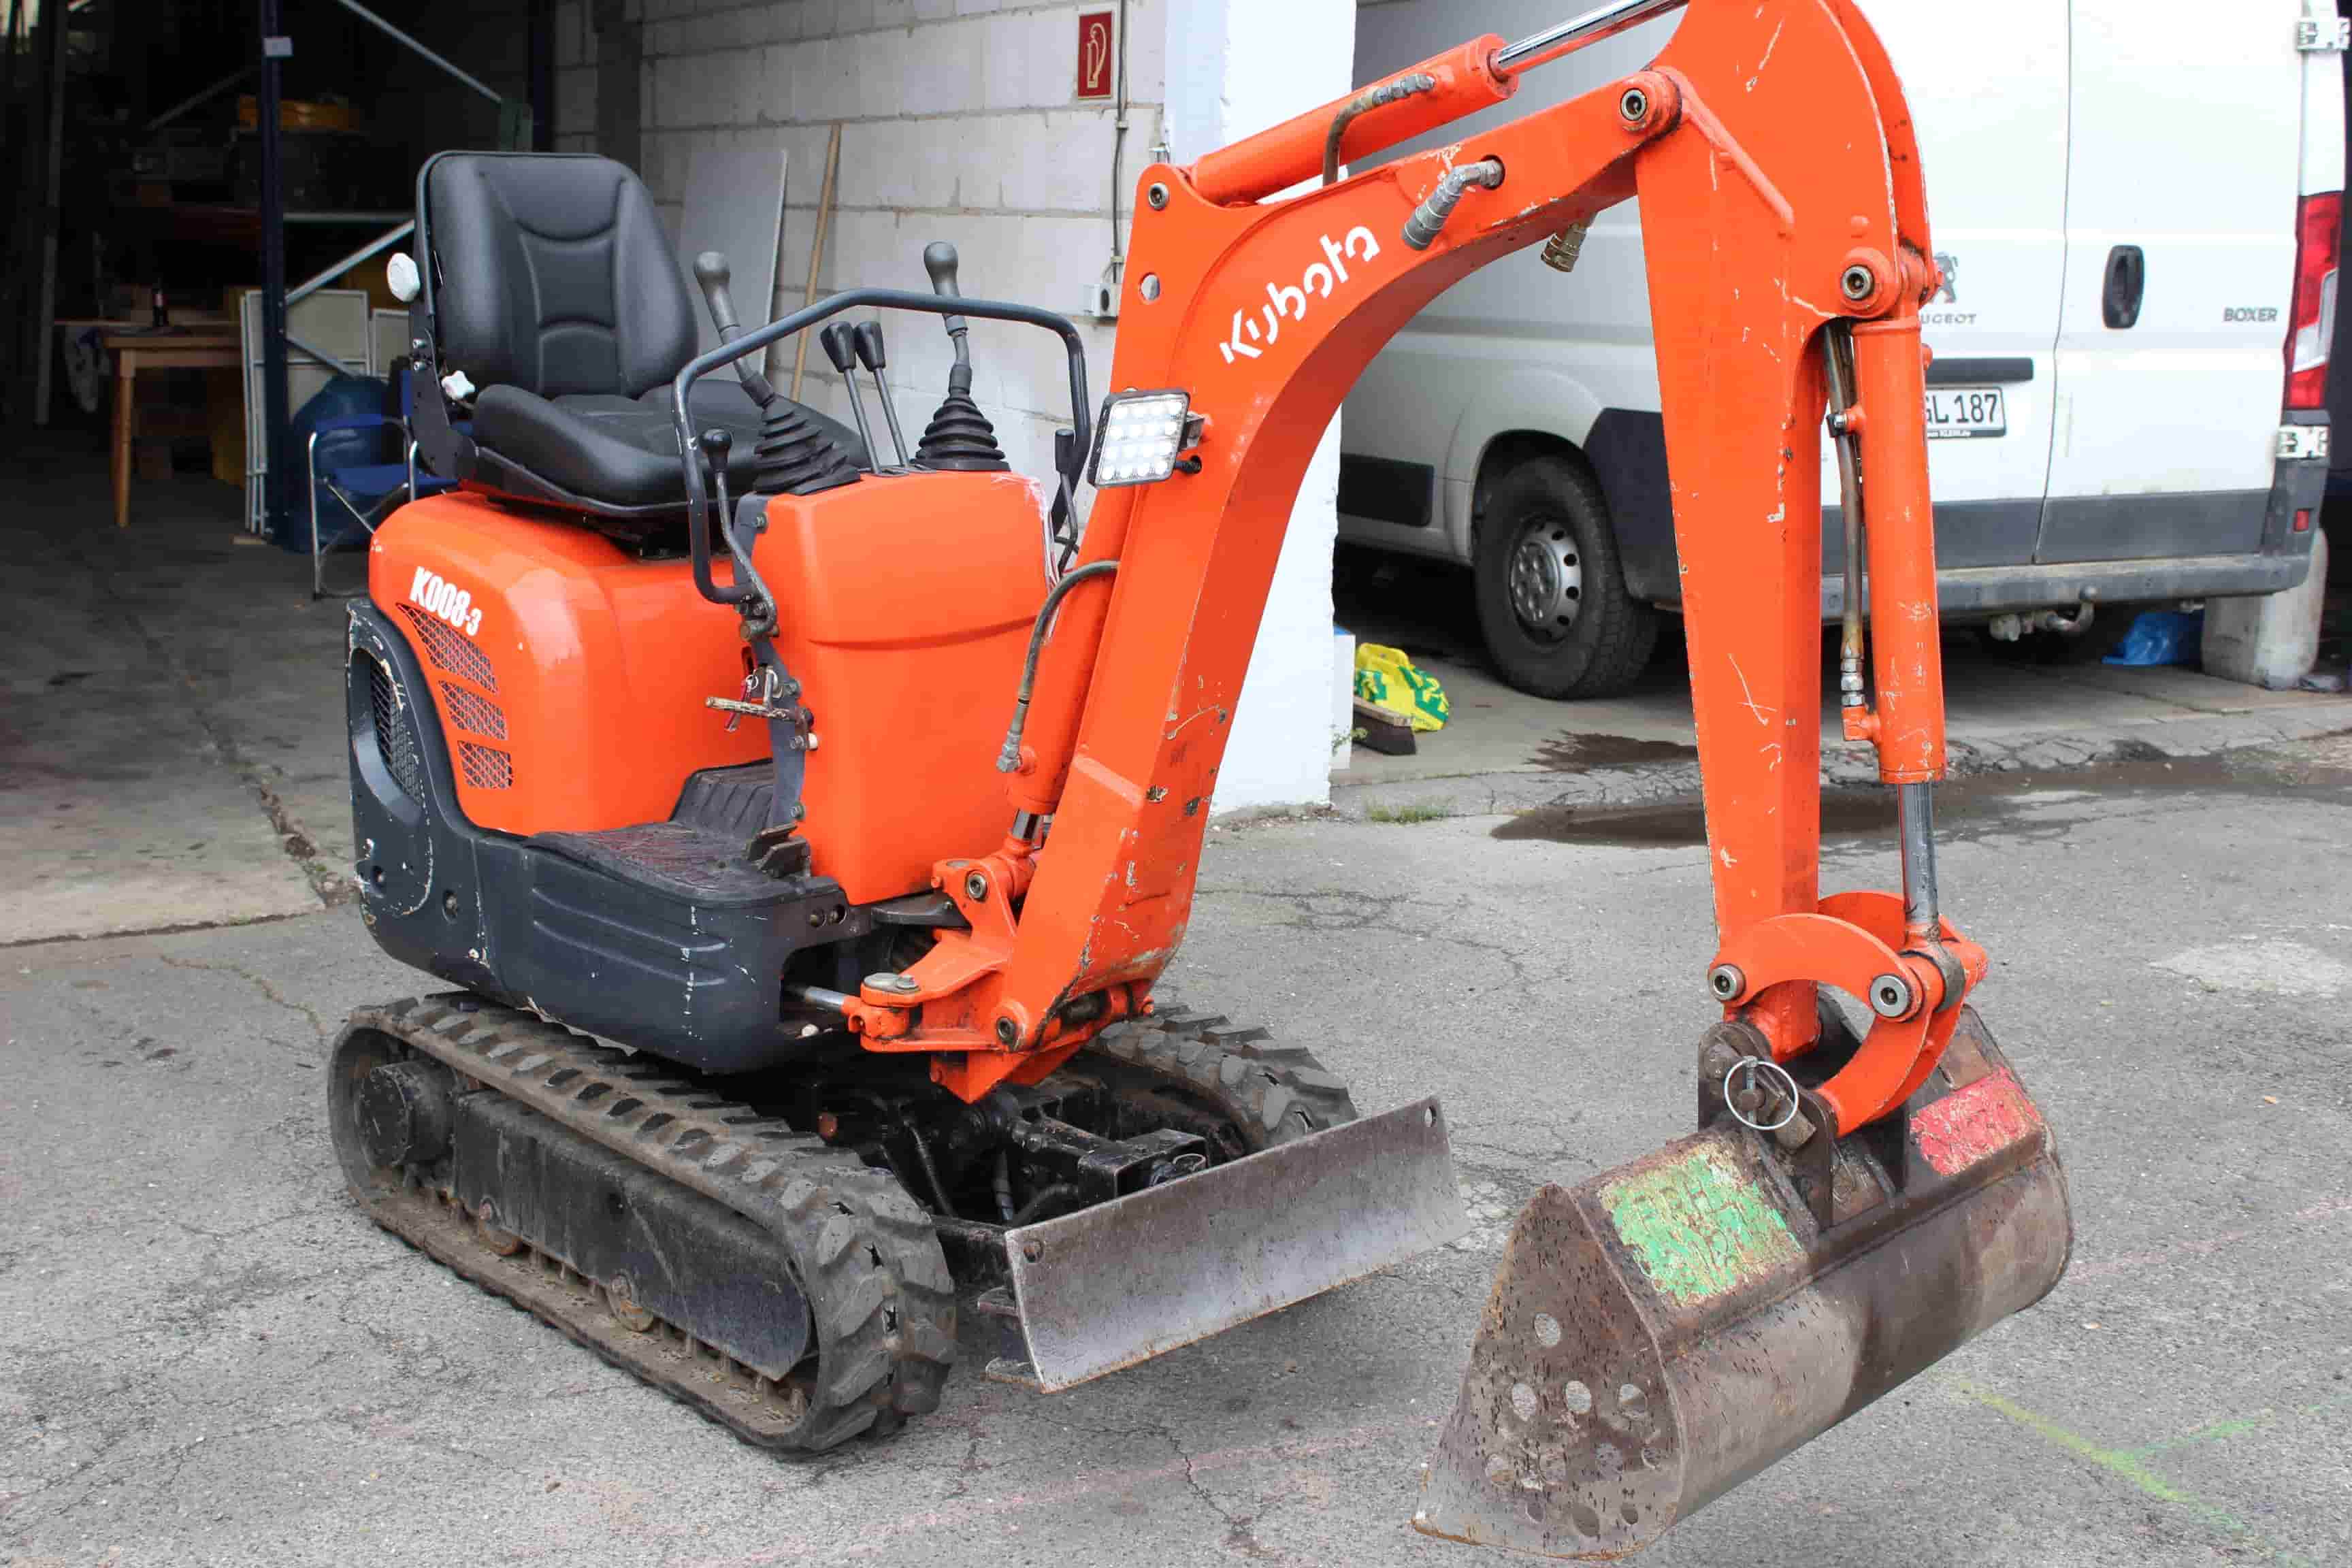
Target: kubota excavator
{"x": 805, "y": 832}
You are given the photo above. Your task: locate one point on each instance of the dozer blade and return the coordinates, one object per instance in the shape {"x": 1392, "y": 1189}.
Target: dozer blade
{"x": 1123, "y": 1281}
{"x": 1664, "y": 1331}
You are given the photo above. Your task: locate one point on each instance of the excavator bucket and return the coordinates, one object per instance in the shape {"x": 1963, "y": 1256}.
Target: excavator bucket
{"x": 1664, "y": 1331}
{"x": 1118, "y": 1283}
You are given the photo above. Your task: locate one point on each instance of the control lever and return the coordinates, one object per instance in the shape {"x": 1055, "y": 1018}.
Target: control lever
{"x": 959, "y": 438}
{"x": 840, "y": 347}
{"x": 710, "y": 272}
{"x": 868, "y": 337}
{"x": 939, "y": 261}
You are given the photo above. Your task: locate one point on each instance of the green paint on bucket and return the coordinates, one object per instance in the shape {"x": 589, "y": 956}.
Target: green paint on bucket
{"x": 1699, "y": 1227}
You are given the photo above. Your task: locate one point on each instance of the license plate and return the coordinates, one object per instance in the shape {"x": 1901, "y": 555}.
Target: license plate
{"x": 1963, "y": 411}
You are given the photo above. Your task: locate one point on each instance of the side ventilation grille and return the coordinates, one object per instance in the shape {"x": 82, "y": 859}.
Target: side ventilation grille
{"x": 472, "y": 712}
{"x": 450, "y": 651}
{"x": 484, "y": 767}
{"x": 396, "y": 738}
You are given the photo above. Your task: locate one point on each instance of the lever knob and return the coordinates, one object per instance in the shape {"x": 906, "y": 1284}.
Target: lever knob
{"x": 868, "y": 336}
{"x": 711, "y": 272}
{"x": 718, "y": 443}
{"x": 839, "y": 345}
{"x": 939, "y": 261}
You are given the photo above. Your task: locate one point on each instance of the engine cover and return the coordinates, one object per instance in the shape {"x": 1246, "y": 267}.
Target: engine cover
{"x": 569, "y": 673}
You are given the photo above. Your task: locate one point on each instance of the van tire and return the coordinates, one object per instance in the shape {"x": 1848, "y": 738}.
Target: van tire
{"x": 1546, "y": 550}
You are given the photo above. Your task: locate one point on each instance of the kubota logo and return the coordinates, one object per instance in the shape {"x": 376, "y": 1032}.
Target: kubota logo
{"x": 1289, "y": 301}
{"x": 446, "y": 599}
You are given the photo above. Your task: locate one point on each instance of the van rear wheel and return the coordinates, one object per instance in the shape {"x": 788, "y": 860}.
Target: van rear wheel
{"x": 1551, "y": 597}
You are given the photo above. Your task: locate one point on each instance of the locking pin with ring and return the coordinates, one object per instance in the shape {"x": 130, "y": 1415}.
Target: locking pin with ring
{"x": 1748, "y": 1094}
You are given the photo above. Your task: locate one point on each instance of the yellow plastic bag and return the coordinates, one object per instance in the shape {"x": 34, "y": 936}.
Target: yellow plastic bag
{"x": 1386, "y": 678}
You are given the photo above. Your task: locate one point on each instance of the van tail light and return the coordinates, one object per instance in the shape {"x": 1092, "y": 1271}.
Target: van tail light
{"x": 2312, "y": 332}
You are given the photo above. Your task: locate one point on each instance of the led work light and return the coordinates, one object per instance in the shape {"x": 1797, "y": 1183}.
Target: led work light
{"x": 1140, "y": 436}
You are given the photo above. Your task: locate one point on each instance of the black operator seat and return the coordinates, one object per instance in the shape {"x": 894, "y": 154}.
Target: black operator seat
{"x": 556, "y": 292}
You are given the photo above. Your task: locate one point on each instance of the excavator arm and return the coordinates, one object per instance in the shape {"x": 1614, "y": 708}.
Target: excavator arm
{"x": 1786, "y": 242}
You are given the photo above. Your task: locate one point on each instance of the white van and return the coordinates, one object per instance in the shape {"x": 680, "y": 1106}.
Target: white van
{"x": 2136, "y": 206}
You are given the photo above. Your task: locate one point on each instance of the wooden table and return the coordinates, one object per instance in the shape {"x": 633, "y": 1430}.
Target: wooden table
{"x": 205, "y": 347}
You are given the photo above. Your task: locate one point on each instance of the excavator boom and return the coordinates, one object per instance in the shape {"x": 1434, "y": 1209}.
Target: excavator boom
{"x": 1775, "y": 161}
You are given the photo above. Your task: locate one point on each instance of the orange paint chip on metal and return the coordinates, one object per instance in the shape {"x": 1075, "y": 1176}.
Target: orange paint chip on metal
{"x": 1971, "y": 1123}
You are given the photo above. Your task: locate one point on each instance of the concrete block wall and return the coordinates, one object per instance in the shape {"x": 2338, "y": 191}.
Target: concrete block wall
{"x": 960, "y": 122}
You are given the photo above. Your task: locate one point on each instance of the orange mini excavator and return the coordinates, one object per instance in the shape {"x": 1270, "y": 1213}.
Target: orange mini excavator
{"x": 804, "y": 833}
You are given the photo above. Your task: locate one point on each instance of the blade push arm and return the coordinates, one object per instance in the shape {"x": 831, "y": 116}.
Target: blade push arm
{"x": 1781, "y": 194}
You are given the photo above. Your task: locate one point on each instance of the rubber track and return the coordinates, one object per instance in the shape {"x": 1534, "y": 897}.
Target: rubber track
{"x": 1273, "y": 1093}
{"x": 861, "y": 1247}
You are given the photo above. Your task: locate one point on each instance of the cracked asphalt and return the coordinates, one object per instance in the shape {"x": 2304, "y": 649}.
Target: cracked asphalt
{"x": 213, "y": 1358}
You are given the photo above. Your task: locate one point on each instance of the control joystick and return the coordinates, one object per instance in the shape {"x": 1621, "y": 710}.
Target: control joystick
{"x": 959, "y": 437}
{"x": 794, "y": 456}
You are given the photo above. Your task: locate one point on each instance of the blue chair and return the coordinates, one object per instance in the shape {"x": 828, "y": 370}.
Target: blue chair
{"x": 367, "y": 491}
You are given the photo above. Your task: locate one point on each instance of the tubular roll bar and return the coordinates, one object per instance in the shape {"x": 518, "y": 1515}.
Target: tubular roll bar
{"x": 690, "y": 450}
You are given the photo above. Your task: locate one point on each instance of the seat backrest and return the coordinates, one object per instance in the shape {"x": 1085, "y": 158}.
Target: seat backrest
{"x": 553, "y": 275}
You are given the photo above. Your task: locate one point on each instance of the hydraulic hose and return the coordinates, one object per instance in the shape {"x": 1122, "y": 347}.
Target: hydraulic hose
{"x": 1009, "y": 759}
{"x": 1837, "y": 356}
{"x": 1428, "y": 220}
{"x": 1057, "y": 1193}
{"x": 1370, "y": 98}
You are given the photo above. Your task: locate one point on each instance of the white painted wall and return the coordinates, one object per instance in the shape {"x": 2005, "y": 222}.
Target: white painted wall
{"x": 1236, "y": 67}
{"x": 959, "y": 122}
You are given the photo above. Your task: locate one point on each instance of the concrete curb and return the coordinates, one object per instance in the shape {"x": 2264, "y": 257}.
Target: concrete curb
{"x": 1503, "y": 794}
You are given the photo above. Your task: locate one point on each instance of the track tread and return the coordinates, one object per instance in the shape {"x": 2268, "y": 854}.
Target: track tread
{"x": 862, "y": 1248}
{"x": 1273, "y": 1093}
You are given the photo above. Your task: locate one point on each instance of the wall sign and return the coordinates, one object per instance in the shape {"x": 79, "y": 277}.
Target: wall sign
{"x": 1097, "y": 66}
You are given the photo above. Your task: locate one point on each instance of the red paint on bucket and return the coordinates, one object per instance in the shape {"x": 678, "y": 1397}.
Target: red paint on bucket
{"x": 1971, "y": 1123}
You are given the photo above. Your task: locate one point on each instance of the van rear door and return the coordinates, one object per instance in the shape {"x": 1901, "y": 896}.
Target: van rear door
{"x": 2180, "y": 228}
{"x": 1987, "y": 87}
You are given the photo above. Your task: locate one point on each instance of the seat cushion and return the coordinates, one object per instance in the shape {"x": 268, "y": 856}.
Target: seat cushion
{"x": 615, "y": 454}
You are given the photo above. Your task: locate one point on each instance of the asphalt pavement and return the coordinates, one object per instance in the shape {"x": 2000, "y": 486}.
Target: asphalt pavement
{"x": 213, "y": 1358}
